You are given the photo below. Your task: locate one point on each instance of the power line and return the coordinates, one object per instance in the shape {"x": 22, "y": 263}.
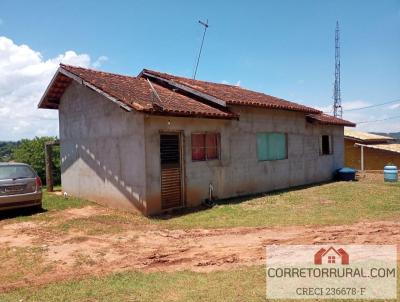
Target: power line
{"x": 372, "y": 106}
{"x": 385, "y": 119}
{"x": 366, "y": 107}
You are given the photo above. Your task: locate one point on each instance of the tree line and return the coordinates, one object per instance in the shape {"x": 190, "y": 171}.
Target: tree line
{"x": 31, "y": 151}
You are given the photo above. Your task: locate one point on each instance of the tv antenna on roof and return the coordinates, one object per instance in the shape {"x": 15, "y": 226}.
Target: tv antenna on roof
{"x": 205, "y": 24}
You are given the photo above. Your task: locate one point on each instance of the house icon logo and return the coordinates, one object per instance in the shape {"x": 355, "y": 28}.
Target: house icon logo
{"x": 331, "y": 256}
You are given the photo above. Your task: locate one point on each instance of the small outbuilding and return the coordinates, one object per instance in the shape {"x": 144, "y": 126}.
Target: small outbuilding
{"x": 368, "y": 151}
{"x": 156, "y": 141}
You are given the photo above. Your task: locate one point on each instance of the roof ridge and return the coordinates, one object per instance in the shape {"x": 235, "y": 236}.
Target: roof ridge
{"x": 368, "y": 135}
{"x": 207, "y": 82}
{"x": 222, "y": 84}
{"x": 98, "y": 71}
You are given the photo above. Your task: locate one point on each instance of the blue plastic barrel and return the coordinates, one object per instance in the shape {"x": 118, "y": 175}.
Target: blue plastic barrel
{"x": 346, "y": 174}
{"x": 390, "y": 173}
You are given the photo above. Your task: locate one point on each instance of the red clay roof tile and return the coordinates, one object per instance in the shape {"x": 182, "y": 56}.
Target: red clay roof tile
{"x": 329, "y": 120}
{"x": 234, "y": 95}
{"x": 137, "y": 93}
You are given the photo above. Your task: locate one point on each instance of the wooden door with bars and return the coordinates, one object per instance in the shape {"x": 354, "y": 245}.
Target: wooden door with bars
{"x": 171, "y": 170}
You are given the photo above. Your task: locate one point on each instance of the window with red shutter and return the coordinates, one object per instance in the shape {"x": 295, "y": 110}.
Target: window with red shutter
{"x": 205, "y": 146}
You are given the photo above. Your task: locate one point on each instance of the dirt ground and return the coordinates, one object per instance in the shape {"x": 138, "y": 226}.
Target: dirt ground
{"x": 74, "y": 254}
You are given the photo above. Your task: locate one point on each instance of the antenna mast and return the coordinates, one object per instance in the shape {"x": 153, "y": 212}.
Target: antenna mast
{"x": 337, "y": 105}
{"x": 205, "y": 24}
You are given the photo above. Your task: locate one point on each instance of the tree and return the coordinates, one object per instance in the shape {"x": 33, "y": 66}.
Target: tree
{"x": 6, "y": 150}
{"x": 31, "y": 151}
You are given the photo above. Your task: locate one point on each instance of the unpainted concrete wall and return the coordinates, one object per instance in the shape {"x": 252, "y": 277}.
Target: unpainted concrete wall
{"x": 102, "y": 150}
{"x": 238, "y": 171}
{"x": 374, "y": 159}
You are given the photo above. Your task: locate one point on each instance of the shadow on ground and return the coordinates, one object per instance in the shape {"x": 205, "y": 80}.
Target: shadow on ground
{"x": 21, "y": 212}
{"x": 207, "y": 205}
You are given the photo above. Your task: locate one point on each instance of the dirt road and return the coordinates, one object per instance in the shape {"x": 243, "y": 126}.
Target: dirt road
{"x": 70, "y": 255}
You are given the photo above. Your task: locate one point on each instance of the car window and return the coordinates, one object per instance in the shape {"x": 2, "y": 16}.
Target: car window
{"x": 14, "y": 171}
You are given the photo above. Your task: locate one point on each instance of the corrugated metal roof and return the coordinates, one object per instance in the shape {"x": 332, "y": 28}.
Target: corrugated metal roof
{"x": 365, "y": 136}
{"x": 384, "y": 147}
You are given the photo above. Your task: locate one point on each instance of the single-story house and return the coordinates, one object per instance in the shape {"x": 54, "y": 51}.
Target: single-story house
{"x": 156, "y": 141}
{"x": 367, "y": 151}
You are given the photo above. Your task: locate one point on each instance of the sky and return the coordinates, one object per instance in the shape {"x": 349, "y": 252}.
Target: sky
{"x": 282, "y": 48}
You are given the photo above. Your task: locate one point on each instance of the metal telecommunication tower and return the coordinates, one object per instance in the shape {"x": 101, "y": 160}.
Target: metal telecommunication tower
{"x": 337, "y": 105}
{"x": 205, "y": 24}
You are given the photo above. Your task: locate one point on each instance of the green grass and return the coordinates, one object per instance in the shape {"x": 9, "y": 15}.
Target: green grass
{"x": 23, "y": 261}
{"x": 244, "y": 284}
{"x": 325, "y": 204}
{"x": 247, "y": 284}
{"x": 53, "y": 202}
{"x": 93, "y": 225}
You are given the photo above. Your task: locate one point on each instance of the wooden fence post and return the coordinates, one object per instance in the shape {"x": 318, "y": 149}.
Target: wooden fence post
{"x": 48, "y": 150}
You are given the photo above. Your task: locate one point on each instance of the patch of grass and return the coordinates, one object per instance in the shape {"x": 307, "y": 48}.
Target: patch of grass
{"x": 52, "y": 202}
{"x": 83, "y": 260}
{"x": 247, "y": 284}
{"x": 93, "y": 225}
{"x": 325, "y": 204}
{"x": 18, "y": 262}
{"x": 244, "y": 284}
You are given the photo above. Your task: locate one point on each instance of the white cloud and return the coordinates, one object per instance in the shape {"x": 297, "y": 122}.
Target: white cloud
{"x": 24, "y": 75}
{"x": 374, "y": 116}
{"x": 394, "y": 106}
{"x": 326, "y": 109}
{"x": 100, "y": 61}
{"x": 369, "y": 114}
{"x": 228, "y": 83}
{"x": 354, "y": 104}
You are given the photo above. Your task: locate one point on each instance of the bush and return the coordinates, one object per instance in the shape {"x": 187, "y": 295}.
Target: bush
{"x": 31, "y": 151}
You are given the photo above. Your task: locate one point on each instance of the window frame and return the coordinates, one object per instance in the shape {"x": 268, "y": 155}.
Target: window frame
{"x": 321, "y": 149}
{"x": 218, "y": 135}
{"x": 286, "y": 146}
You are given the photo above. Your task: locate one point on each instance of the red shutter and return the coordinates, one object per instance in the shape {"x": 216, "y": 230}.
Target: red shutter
{"x": 198, "y": 147}
{"x": 212, "y": 145}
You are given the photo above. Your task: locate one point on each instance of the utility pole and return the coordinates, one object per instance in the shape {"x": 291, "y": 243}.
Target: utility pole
{"x": 337, "y": 105}
{"x": 205, "y": 24}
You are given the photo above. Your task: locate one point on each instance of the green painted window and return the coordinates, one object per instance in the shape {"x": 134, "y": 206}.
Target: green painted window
{"x": 271, "y": 146}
